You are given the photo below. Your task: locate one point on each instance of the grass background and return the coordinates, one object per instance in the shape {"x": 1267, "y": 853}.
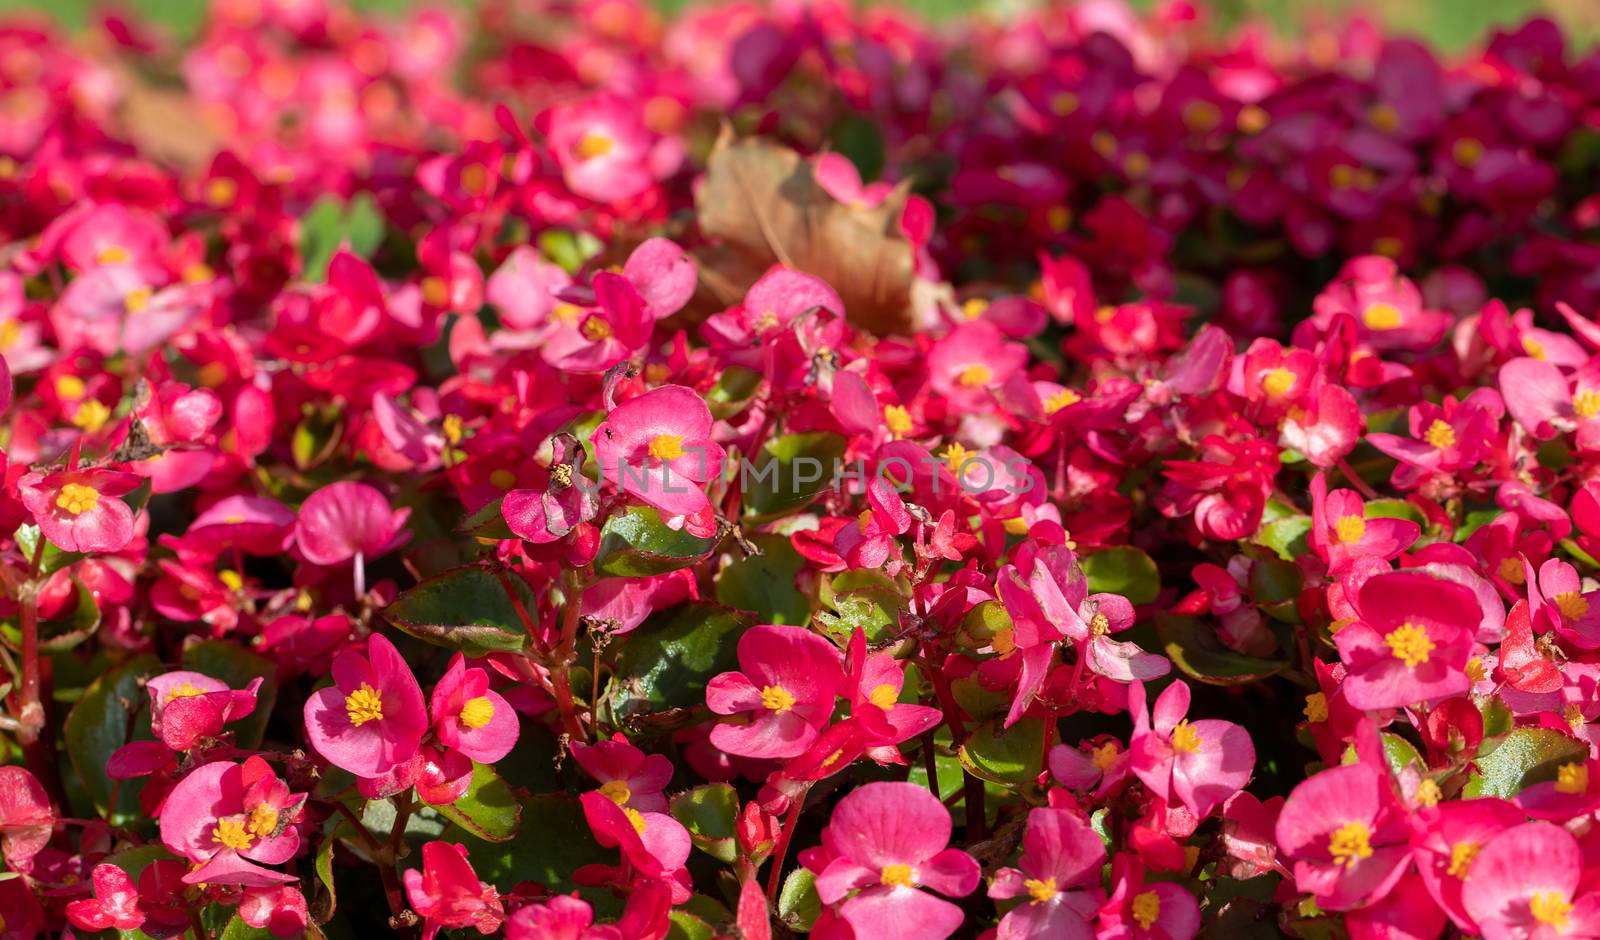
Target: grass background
{"x": 1451, "y": 25}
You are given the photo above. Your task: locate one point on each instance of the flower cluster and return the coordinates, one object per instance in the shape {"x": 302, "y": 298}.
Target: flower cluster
{"x": 558, "y": 471}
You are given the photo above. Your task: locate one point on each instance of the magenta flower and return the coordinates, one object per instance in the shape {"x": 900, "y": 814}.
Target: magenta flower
{"x": 447, "y": 892}
{"x": 1388, "y": 307}
{"x": 658, "y": 447}
{"x": 873, "y": 684}
{"x": 1059, "y": 873}
{"x": 348, "y": 520}
{"x": 973, "y": 361}
{"x": 115, "y": 903}
{"x": 80, "y": 510}
{"x": 628, "y": 776}
{"x": 887, "y": 841}
{"x": 1556, "y": 597}
{"x": 1546, "y": 402}
{"x": 1346, "y": 834}
{"x": 785, "y": 691}
{"x": 563, "y": 917}
{"x": 1446, "y": 840}
{"x": 1140, "y": 911}
{"x": 280, "y": 909}
{"x": 188, "y": 706}
{"x": 26, "y": 819}
{"x": 469, "y": 717}
{"x": 870, "y": 541}
{"x": 1341, "y": 531}
{"x": 839, "y": 178}
{"x": 605, "y": 152}
{"x": 373, "y": 716}
{"x": 1525, "y": 885}
{"x": 1412, "y": 642}
{"x": 1199, "y": 763}
{"x": 654, "y": 843}
{"x": 233, "y": 819}
{"x": 664, "y": 275}
{"x": 1445, "y": 438}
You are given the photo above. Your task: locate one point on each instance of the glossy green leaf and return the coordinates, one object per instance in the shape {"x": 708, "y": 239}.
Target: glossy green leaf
{"x": 1193, "y": 646}
{"x": 1123, "y": 570}
{"x": 99, "y": 724}
{"x": 635, "y": 543}
{"x": 488, "y": 809}
{"x": 1522, "y": 757}
{"x": 324, "y": 896}
{"x": 53, "y": 559}
{"x": 488, "y": 522}
{"x": 735, "y": 387}
{"x": 667, "y": 661}
{"x": 1008, "y": 756}
{"x": 765, "y": 583}
{"x": 1286, "y": 536}
{"x": 710, "y": 813}
{"x": 789, "y": 471}
{"x": 464, "y": 609}
{"x": 798, "y": 903}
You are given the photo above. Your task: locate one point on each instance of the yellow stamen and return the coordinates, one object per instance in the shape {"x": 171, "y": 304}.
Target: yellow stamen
{"x": 1146, "y": 908}
{"x": 1350, "y": 529}
{"x": 1511, "y": 570}
{"x": 864, "y": 521}
{"x": 884, "y": 696}
{"x": 975, "y": 375}
{"x": 1467, "y": 151}
{"x": 1533, "y": 347}
{"x": 1586, "y": 403}
{"x": 1316, "y": 708}
{"x": 596, "y": 329}
{"x": 220, "y": 192}
{"x": 137, "y": 300}
{"x": 263, "y": 821}
{"x": 636, "y": 818}
{"x": 1350, "y": 843}
{"x": 10, "y": 332}
{"x": 1184, "y": 738}
{"x": 475, "y": 179}
{"x": 91, "y": 415}
{"x": 666, "y": 447}
{"x": 77, "y": 499}
{"x": 435, "y": 292}
{"x": 1063, "y": 103}
{"x": 1572, "y": 714}
{"x": 187, "y": 690}
{"x": 1278, "y": 382}
{"x": 1253, "y": 119}
{"x": 1105, "y": 755}
{"x": 1461, "y": 856}
{"x": 593, "y": 145}
{"x": 1384, "y": 117}
{"x": 974, "y": 307}
{"x": 955, "y": 457}
{"x": 503, "y": 479}
{"x": 1061, "y": 400}
{"x": 1410, "y": 643}
{"x": 897, "y": 874}
{"x": 1476, "y": 670}
{"x": 897, "y": 419}
{"x": 777, "y": 698}
{"x": 112, "y": 254}
{"x": 1381, "y": 316}
{"x": 477, "y": 712}
{"x": 231, "y": 833}
{"x": 1040, "y": 891}
{"x": 1572, "y": 779}
{"x": 1440, "y": 434}
{"x": 364, "y": 705}
{"x": 1573, "y": 606}
{"x": 1099, "y": 624}
{"x": 617, "y": 791}
{"x": 1428, "y": 793}
{"x": 1550, "y": 907}
{"x": 70, "y": 386}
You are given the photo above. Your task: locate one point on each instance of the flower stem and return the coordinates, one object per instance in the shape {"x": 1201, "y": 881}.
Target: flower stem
{"x": 781, "y": 850}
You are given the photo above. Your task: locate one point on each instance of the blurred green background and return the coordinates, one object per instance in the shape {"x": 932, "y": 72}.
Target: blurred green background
{"x": 1451, "y": 25}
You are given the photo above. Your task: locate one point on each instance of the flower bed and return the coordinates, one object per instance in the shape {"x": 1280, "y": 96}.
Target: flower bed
{"x": 557, "y": 470}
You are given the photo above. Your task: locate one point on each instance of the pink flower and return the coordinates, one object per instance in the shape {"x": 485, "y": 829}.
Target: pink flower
{"x": 658, "y": 447}
{"x": 1341, "y": 531}
{"x": 886, "y": 841}
{"x": 873, "y": 684}
{"x": 605, "y": 152}
{"x": 188, "y": 706}
{"x": 1411, "y": 643}
{"x": 1444, "y": 438}
{"x": 1546, "y": 402}
{"x": 1140, "y": 911}
{"x": 447, "y": 892}
{"x": 1346, "y": 834}
{"x": 373, "y": 716}
{"x": 664, "y": 275}
{"x": 654, "y": 843}
{"x": 1059, "y": 873}
{"x": 348, "y": 520}
{"x": 839, "y": 178}
{"x": 1556, "y": 597}
{"x": 971, "y": 362}
{"x": 233, "y": 819}
{"x": 563, "y": 917}
{"x": 1387, "y": 307}
{"x": 80, "y": 510}
{"x": 600, "y": 336}
{"x": 1446, "y": 841}
{"x": 1226, "y": 489}
{"x": 628, "y": 776}
{"x": 786, "y": 688}
{"x": 280, "y": 909}
{"x": 1524, "y": 885}
{"x": 469, "y": 717}
{"x": 26, "y": 819}
{"x": 1199, "y": 763}
{"x": 869, "y": 542}
{"x": 115, "y": 902}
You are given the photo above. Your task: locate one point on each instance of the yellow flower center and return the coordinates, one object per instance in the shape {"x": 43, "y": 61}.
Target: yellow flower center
{"x": 1572, "y": 779}
{"x": 566, "y": 313}
{"x": 1461, "y": 856}
{"x": 112, "y": 254}
{"x": 777, "y": 698}
{"x": 974, "y": 375}
{"x": 70, "y": 386}
{"x": 1511, "y": 570}
{"x": 1040, "y": 891}
{"x": 1350, "y": 529}
{"x": 1550, "y": 907}
{"x": 77, "y": 498}
{"x": 364, "y": 705}
{"x": 91, "y": 415}
{"x": 477, "y": 712}
{"x": 593, "y": 145}
{"x": 231, "y": 833}
{"x": 1099, "y": 624}
{"x": 1061, "y": 400}
{"x": 596, "y": 329}
{"x": 435, "y": 292}
{"x": 617, "y": 791}
{"x": 1440, "y": 434}
{"x": 897, "y": 419}
{"x": 1136, "y": 165}
{"x": 503, "y": 479}
{"x": 1063, "y": 103}
{"x": 220, "y": 192}
{"x": 1350, "y": 843}
{"x": 1316, "y": 708}
{"x": 1278, "y": 382}
{"x": 666, "y": 447}
{"x": 974, "y": 308}
{"x": 1572, "y": 714}
{"x": 636, "y": 818}
{"x": 1476, "y": 670}
{"x": 187, "y": 690}
{"x": 1384, "y": 117}
{"x": 1533, "y": 347}
{"x": 1146, "y": 908}
{"x": 955, "y": 457}
{"x": 1105, "y": 755}
{"x": 137, "y": 299}
{"x": 1381, "y": 316}
{"x": 1467, "y": 151}
{"x": 233, "y": 579}
{"x": 475, "y": 179}
{"x": 1201, "y": 116}
{"x": 897, "y": 874}
{"x": 10, "y": 332}
{"x": 263, "y": 821}
{"x": 1428, "y": 793}
{"x": 1410, "y": 643}
{"x": 1571, "y": 604}
{"x": 1586, "y": 403}
{"x": 884, "y": 696}
{"x": 1184, "y": 738}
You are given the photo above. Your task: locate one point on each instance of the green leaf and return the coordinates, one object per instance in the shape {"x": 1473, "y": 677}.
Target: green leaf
{"x": 1520, "y": 758}
{"x": 237, "y": 929}
{"x": 237, "y": 666}
{"x": 1273, "y": 580}
{"x": 316, "y": 437}
{"x": 710, "y": 813}
{"x": 1194, "y": 647}
{"x": 984, "y": 622}
{"x": 488, "y": 523}
{"x": 464, "y": 609}
{"x": 1401, "y": 753}
{"x": 1394, "y": 509}
{"x": 554, "y": 841}
{"x": 330, "y": 223}
{"x": 488, "y": 809}
{"x": 733, "y": 392}
{"x": 99, "y": 724}
{"x": 1287, "y": 536}
{"x": 765, "y": 583}
{"x": 324, "y": 898}
{"x": 789, "y": 471}
{"x": 1008, "y": 756}
{"x": 683, "y": 925}
{"x": 667, "y": 661}
{"x": 64, "y": 633}
{"x": 53, "y": 559}
{"x": 798, "y": 903}
{"x": 635, "y": 543}
{"x": 864, "y": 599}
{"x": 364, "y": 224}
{"x": 568, "y": 249}
{"x": 1123, "y": 570}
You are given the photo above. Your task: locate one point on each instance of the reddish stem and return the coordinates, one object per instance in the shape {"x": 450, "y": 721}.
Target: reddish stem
{"x": 781, "y": 850}
{"x": 1354, "y": 479}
